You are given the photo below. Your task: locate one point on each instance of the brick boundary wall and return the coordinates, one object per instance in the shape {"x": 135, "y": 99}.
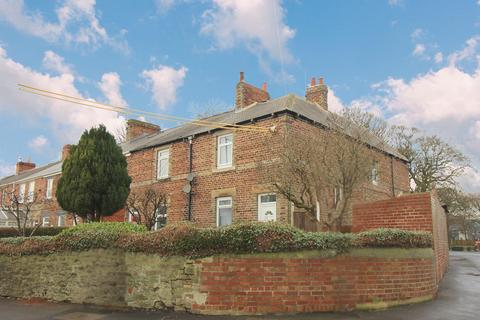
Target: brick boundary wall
{"x": 414, "y": 212}
{"x": 238, "y": 284}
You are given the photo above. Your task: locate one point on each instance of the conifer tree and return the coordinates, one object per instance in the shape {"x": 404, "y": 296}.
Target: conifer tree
{"x": 95, "y": 180}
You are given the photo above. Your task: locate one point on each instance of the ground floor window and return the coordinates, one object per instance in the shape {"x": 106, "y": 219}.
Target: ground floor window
{"x": 161, "y": 218}
{"x": 267, "y": 207}
{"x": 46, "y": 222}
{"x": 61, "y": 220}
{"x": 224, "y": 211}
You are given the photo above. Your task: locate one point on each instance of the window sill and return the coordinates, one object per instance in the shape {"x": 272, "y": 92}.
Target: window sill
{"x": 163, "y": 179}
{"x": 223, "y": 169}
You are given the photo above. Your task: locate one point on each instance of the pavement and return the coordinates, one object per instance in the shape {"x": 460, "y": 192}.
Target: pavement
{"x": 458, "y": 299}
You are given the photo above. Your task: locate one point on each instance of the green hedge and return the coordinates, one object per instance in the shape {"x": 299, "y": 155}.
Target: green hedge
{"x": 187, "y": 240}
{"x": 42, "y": 231}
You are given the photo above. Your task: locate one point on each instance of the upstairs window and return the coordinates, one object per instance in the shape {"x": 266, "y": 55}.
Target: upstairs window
{"x": 374, "y": 177}
{"x": 224, "y": 211}
{"x": 21, "y": 193}
{"x": 31, "y": 191}
{"x": 224, "y": 151}
{"x": 49, "y": 192}
{"x": 163, "y": 159}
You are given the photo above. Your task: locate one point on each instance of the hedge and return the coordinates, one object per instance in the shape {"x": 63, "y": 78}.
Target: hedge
{"x": 185, "y": 239}
{"x": 7, "y": 232}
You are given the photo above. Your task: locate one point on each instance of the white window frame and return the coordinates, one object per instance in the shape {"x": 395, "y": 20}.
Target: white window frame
{"x": 223, "y": 206}
{"x": 49, "y": 192}
{"x": 21, "y": 192}
{"x": 163, "y": 154}
{"x": 60, "y": 218}
{"x": 45, "y": 219}
{"x": 155, "y": 226}
{"x": 224, "y": 145}
{"x": 31, "y": 191}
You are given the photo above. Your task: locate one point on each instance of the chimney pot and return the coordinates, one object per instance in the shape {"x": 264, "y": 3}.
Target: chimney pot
{"x": 264, "y": 86}
{"x": 317, "y": 93}
{"x": 242, "y": 77}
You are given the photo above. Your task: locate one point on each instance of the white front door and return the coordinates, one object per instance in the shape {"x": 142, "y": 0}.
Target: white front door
{"x": 267, "y": 207}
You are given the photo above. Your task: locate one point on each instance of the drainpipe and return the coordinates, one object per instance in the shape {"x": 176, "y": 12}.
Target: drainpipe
{"x": 393, "y": 177}
{"x": 190, "y": 166}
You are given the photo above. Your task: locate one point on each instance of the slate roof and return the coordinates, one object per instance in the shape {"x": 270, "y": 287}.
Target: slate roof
{"x": 289, "y": 103}
{"x": 43, "y": 171}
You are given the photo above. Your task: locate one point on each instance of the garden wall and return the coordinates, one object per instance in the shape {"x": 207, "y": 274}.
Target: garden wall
{"x": 238, "y": 284}
{"x": 414, "y": 212}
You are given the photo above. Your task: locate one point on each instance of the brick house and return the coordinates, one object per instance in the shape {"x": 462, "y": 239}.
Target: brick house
{"x": 30, "y": 180}
{"x": 212, "y": 175}
{"x": 227, "y": 184}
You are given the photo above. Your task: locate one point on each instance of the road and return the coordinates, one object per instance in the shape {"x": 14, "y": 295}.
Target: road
{"x": 458, "y": 299}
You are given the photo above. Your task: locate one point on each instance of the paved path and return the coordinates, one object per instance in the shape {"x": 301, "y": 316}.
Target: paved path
{"x": 458, "y": 299}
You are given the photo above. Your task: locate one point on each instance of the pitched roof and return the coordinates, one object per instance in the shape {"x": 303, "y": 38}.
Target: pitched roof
{"x": 288, "y": 103}
{"x": 43, "y": 171}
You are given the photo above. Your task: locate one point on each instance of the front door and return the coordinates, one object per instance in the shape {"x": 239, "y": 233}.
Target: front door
{"x": 267, "y": 207}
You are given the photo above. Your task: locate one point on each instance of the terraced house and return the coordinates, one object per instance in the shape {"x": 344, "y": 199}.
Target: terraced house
{"x": 212, "y": 175}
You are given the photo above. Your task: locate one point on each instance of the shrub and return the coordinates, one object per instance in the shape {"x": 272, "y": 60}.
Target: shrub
{"x": 42, "y": 231}
{"x": 184, "y": 239}
{"x": 95, "y": 235}
{"x": 382, "y": 238}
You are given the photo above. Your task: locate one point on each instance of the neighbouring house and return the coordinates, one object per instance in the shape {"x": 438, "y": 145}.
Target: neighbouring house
{"x": 212, "y": 175}
{"x": 36, "y": 185}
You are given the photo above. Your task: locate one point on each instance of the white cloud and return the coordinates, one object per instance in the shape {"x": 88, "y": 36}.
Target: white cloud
{"x": 438, "y": 57}
{"x": 163, "y": 82}
{"x": 110, "y": 87}
{"x": 164, "y": 5}
{"x": 395, "y": 3}
{"x": 257, "y": 24}
{"x": 77, "y": 22}
{"x": 419, "y": 50}
{"x": 417, "y": 34}
{"x": 468, "y": 52}
{"x": 66, "y": 121}
{"x": 54, "y": 62}
{"x": 38, "y": 143}
{"x": 6, "y": 169}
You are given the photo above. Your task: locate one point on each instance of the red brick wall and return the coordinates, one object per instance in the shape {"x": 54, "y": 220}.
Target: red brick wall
{"x": 244, "y": 180}
{"x": 415, "y": 212}
{"x": 282, "y": 284}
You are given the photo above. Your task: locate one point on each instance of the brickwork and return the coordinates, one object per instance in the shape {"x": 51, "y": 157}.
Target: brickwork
{"x": 244, "y": 180}
{"x": 292, "y": 284}
{"x": 246, "y": 94}
{"x": 415, "y": 212}
{"x": 42, "y": 207}
{"x": 305, "y": 281}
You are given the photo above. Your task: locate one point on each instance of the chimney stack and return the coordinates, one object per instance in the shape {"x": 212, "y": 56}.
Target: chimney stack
{"x": 137, "y": 128}
{"x": 317, "y": 93}
{"x": 23, "y": 166}
{"x": 246, "y": 94}
{"x": 66, "y": 150}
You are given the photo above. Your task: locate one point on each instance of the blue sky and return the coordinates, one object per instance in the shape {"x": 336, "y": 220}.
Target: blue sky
{"x": 412, "y": 62}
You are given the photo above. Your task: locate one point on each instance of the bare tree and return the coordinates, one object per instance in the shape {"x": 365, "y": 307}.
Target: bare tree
{"x": 21, "y": 207}
{"x": 433, "y": 163}
{"x": 316, "y": 164}
{"x": 463, "y": 210}
{"x": 145, "y": 206}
